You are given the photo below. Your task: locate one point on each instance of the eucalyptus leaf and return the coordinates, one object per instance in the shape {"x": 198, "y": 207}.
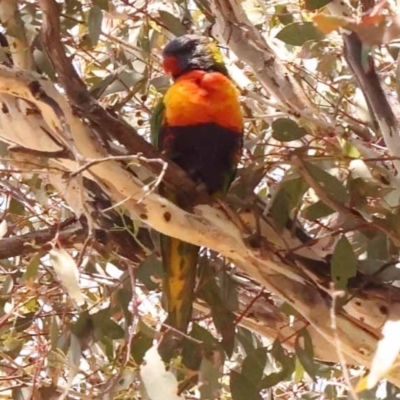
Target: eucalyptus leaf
{"x": 298, "y": 33}
{"x": 343, "y": 263}
{"x": 95, "y": 20}
{"x": 287, "y": 130}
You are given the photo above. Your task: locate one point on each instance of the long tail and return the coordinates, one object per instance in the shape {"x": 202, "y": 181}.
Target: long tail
{"x": 180, "y": 263}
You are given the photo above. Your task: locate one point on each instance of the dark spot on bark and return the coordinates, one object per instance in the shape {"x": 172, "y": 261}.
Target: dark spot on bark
{"x": 143, "y": 216}
{"x": 383, "y": 310}
{"x": 4, "y": 108}
{"x": 167, "y": 216}
{"x": 34, "y": 87}
{"x": 275, "y": 82}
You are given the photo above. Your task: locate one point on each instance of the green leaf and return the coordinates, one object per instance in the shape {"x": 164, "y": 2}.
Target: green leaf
{"x": 283, "y": 14}
{"x": 210, "y": 292}
{"x": 126, "y": 79}
{"x": 289, "y": 197}
{"x": 280, "y": 210}
{"x": 305, "y": 352}
{"x": 24, "y": 322}
{"x": 16, "y": 207}
{"x": 32, "y": 268}
{"x": 248, "y": 340}
{"x": 286, "y": 130}
{"x": 140, "y": 344}
{"x": 242, "y": 388}
{"x": 105, "y": 326}
{"x": 95, "y": 20}
{"x": 332, "y": 186}
{"x": 210, "y": 373}
{"x": 193, "y": 351}
{"x": 316, "y": 211}
{"x": 54, "y": 332}
{"x": 312, "y": 5}
{"x": 253, "y": 366}
{"x": 298, "y": 33}
{"x": 150, "y": 271}
{"x": 287, "y": 367}
{"x": 43, "y": 62}
{"x": 343, "y": 263}
{"x": 173, "y": 24}
{"x": 378, "y": 247}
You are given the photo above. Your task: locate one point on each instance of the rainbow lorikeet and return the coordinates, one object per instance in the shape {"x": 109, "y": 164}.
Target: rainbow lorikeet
{"x": 198, "y": 125}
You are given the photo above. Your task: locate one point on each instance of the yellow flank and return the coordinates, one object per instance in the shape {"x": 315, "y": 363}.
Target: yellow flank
{"x": 200, "y": 97}
{"x": 214, "y": 50}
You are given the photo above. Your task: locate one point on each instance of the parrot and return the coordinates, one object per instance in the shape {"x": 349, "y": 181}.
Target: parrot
{"x": 198, "y": 124}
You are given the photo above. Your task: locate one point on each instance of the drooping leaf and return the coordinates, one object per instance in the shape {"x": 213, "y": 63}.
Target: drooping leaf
{"x": 343, "y": 263}
{"x": 298, "y": 33}
{"x": 73, "y": 357}
{"x": 67, "y": 272}
{"x": 248, "y": 340}
{"x": 222, "y": 317}
{"x": 24, "y": 322}
{"x": 105, "y": 326}
{"x": 242, "y": 388}
{"x": 172, "y": 23}
{"x": 210, "y": 373}
{"x": 16, "y": 207}
{"x": 316, "y": 211}
{"x": 286, "y": 130}
{"x": 286, "y": 363}
{"x": 32, "y": 269}
{"x": 139, "y": 346}
{"x": 332, "y": 186}
{"x": 95, "y": 19}
{"x": 150, "y": 272}
{"x": 288, "y": 198}
{"x": 194, "y": 350}
{"x": 305, "y": 352}
{"x": 254, "y": 364}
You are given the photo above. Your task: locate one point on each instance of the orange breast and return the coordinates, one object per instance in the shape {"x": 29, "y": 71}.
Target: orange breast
{"x": 200, "y": 97}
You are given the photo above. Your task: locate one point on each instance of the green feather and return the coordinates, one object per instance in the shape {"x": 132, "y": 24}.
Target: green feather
{"x": 156, "y": 122}
{"x": 179, "y": 258}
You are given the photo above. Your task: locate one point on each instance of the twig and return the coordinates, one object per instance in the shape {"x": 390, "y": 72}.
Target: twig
{"x": 297, "y": 162}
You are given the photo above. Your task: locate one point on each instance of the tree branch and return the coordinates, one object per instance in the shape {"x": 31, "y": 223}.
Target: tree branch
{"x": 109, "y": 126}
{"x": 19, "y": 48}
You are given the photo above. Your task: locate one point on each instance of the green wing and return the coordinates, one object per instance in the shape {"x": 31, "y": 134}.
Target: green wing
{"x": 156, "y": 122}
{"x": 179, "y": 258}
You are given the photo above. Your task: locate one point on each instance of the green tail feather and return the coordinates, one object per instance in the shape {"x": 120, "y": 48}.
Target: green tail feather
{"x": 180, "y": 262}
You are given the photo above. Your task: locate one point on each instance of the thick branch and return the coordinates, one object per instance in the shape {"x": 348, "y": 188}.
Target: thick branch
{"x": 19, "y": 47}
{"x": 105, "y": 123}
{"x": 68, "y": 233}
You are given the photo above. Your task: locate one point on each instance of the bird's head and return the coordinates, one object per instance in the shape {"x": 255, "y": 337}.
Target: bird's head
{"x": 192, "y": 52}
